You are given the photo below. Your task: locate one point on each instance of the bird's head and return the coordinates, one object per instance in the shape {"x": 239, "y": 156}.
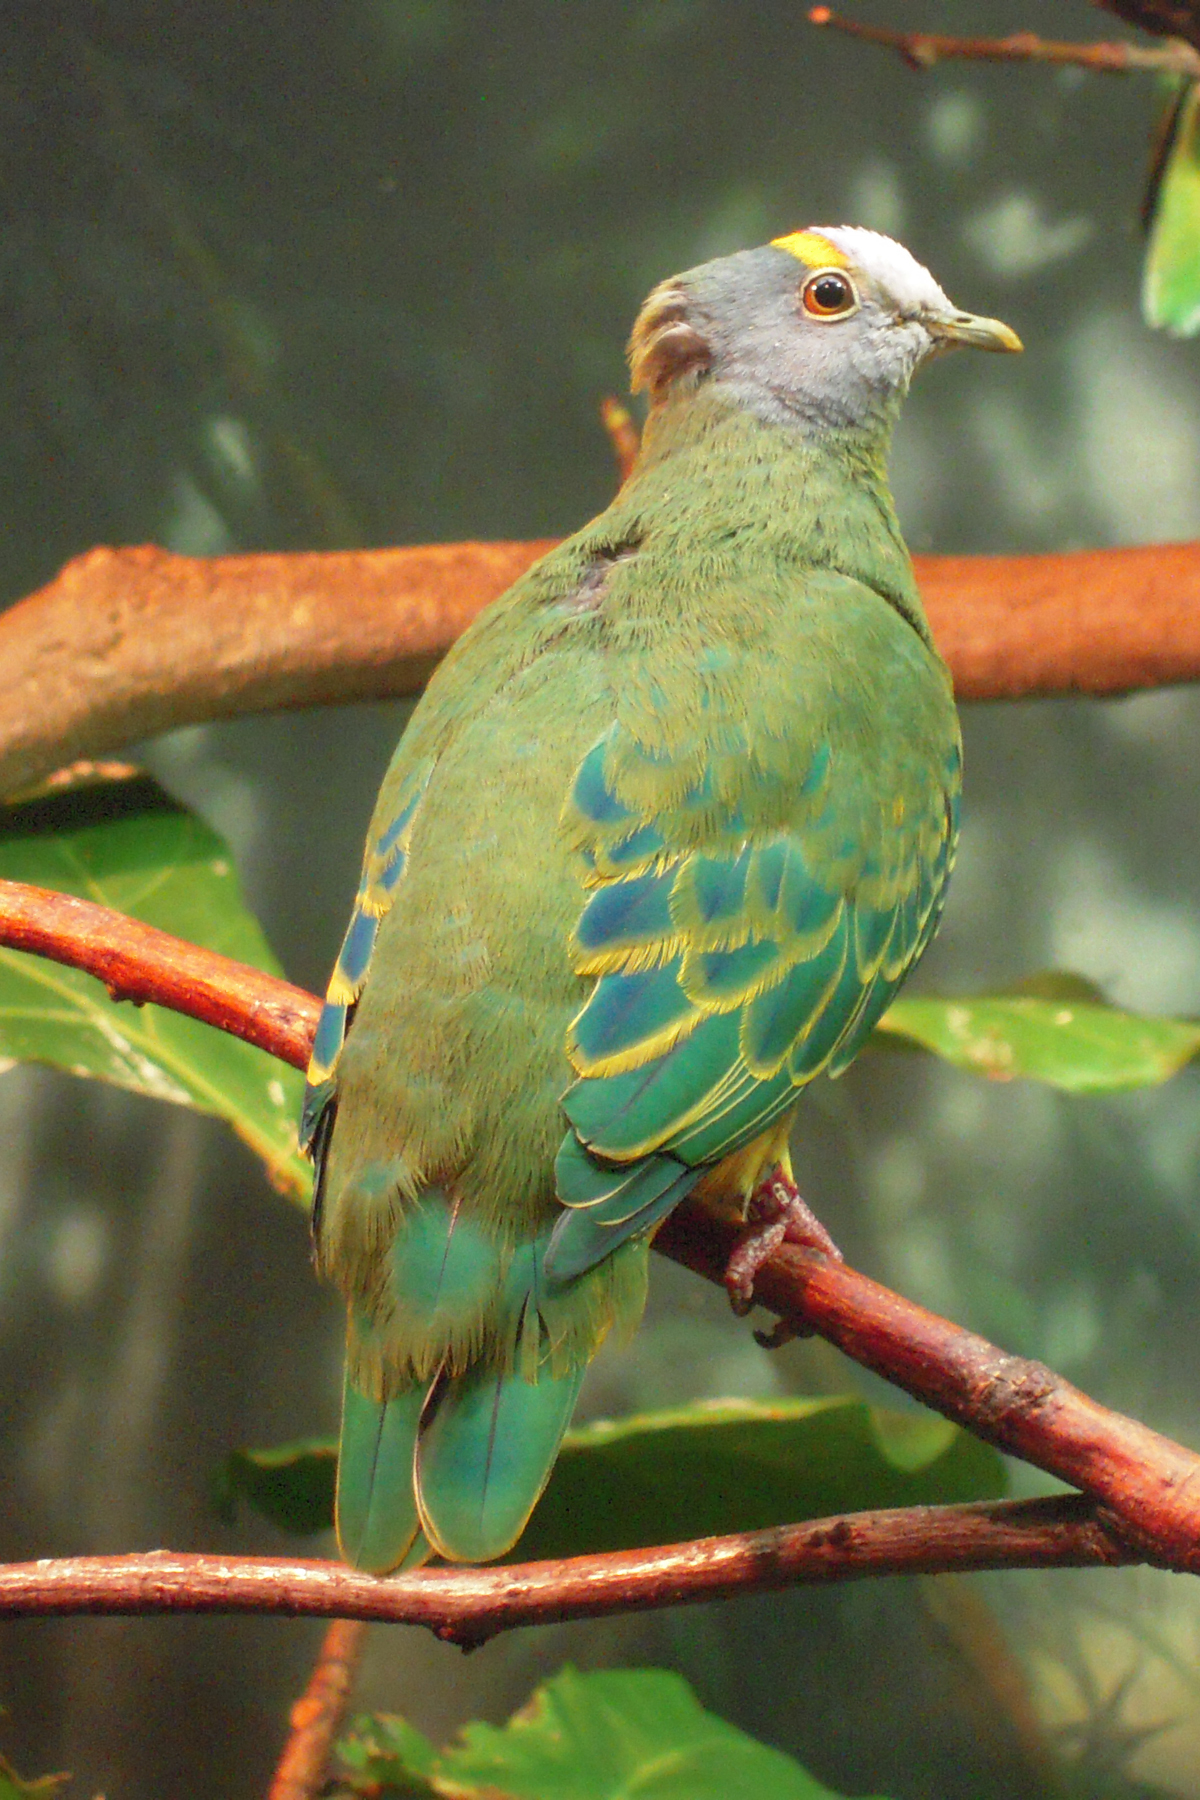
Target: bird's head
{"x": 826, "y": 325}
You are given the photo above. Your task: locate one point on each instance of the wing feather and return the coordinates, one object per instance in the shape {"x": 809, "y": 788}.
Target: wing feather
{"x": 384, "y": 863}
{"x": 729, "y": 973}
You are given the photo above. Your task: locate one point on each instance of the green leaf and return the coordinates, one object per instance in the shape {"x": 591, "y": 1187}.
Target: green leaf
{"x": 128, "y": 845}
{"x": 613, "y": 1733}
{"x": 1055, "y": 1028}
{"x": 385, "y": 1751}
{"x": 292, "y": 1485}
{"x": 12, "y": 1787}
{"x": 698, "y": 1471}
{"x": 606, "y": 1735}
{"x": 1171, "y": 271}
{"x": 745, "y": 1465}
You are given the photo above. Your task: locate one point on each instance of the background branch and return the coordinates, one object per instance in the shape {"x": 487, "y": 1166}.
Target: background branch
{"x": 1148, "y": 1485}
{"x": 127, "y": 643}
{"x": 317, "y": 1716}
{"x": 922, "y": 49}
{"x": 623, "y": 434}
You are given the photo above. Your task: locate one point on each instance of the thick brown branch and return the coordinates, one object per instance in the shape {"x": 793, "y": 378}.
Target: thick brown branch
{"x": 317, "y": 1716}
{"x": 467, "y": 1606}
{"x": 1148, "y": 1485}
{"x": 127, "y": 643}
{"x": 922, "y": 49}
{"x": 1084, "y": 621}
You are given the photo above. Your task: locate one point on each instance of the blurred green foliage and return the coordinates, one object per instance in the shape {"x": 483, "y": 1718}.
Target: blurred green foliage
{"x": 126, "y": 844}
{"x": 601, "y": 1735}
{"x": 697, "y": 1471}
{"x": 1171, "y": 271}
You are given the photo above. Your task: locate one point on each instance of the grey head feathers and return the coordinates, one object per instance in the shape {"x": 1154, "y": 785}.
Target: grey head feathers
{"x": 825, "y": 327}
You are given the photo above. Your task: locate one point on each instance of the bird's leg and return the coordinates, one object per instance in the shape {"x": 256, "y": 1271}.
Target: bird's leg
{"x": 775, "y": 1215}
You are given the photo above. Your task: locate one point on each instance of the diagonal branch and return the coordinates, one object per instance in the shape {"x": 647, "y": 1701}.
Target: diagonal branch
{"x": 127, "y": 643}
{"x": 922, "y": 49}
{"x": 140, "y": 963}
{"x": 1147, "y": 1486}
{"x": 317, "y": 1716}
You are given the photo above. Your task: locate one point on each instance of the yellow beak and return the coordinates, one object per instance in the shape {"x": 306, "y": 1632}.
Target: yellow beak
{"x": 969, "y": 328}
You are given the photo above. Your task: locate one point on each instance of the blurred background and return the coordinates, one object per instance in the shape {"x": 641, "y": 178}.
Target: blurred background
{"x": 293, "y": 275}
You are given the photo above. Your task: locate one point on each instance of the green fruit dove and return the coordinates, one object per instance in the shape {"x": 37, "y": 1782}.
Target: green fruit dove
{"x": 669, "y": 827}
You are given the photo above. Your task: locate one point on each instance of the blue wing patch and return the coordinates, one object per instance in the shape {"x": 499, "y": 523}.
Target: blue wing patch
{"x": 383, "y": 867}
{"x": 727, "y": 977}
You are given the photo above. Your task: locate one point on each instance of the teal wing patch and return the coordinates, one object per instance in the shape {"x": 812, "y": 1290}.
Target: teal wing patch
{"x": 731, "y": 973}
{"x": 606, "y": 1204}
{"x": 384, "y": 863}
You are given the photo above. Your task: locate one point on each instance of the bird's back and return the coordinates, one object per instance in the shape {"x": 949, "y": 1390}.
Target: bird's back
{"x": 740, "y": 625}
{"x": 730, "y": 638}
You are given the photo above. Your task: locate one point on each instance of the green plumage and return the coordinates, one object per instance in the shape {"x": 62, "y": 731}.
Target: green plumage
{"x": 668, "y": 828}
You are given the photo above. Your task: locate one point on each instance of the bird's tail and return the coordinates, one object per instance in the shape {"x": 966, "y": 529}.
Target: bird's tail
{"x": 454, "y": 1468}
{"x": 376, "y": 1511}
{"x": 462, "y": 1373}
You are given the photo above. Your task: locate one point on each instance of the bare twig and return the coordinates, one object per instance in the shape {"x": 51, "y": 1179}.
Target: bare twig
{"x": 127, "y": 643}
{"x": 467, "y": 1606}
{"x": 1148, "y": 1486}
{"x": 922, "y": 49}
{"x": 318, "y": 1714}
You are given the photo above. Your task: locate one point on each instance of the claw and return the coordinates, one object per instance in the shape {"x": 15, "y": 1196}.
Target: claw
{"x": 784, "y": 1331}
{"x": 776, "y": 1214}
{"x": 757, "y": 1243}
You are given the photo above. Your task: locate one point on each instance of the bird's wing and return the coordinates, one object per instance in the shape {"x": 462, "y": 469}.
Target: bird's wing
{"x": 755, "y": 904}
{"x": 384, "y": 861}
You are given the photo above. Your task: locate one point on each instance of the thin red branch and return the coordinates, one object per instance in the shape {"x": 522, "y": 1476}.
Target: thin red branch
{"x": 1148, "y": 1485}
{"x": 468, "y": 1605}
{"x": 317, "y": 1716}
{"x": 922, "y": 49}
{"x": 140, "y": 963}
{"x": 127, "y": 643}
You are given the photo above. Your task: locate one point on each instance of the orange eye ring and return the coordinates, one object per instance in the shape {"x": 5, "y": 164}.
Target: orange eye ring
{"x": 829, "y": 294}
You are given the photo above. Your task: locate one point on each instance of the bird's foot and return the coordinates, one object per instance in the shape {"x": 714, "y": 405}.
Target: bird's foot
{"x": 776, "y": 1215}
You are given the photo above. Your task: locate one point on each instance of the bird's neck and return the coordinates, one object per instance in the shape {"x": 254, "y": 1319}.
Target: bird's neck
{"x": 710, "y": 470}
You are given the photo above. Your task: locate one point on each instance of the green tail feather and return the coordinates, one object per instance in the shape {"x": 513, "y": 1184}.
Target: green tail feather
{"x": 377, "y": 1524}
{"x": 485, "y": 1456}
{"x": 454, "y": 1464}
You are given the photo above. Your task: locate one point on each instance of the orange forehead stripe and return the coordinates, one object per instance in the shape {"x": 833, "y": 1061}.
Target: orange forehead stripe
{"x": 811, "y": 248}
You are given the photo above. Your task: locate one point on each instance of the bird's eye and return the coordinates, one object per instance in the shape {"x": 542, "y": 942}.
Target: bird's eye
{"x": 828, "y": 295}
